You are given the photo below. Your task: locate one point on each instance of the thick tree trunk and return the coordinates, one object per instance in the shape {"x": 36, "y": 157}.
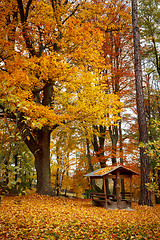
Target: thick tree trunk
{"x": 145, "y": 195}
{"x": 42, "y": 163}
{"x": 39, "y": 145}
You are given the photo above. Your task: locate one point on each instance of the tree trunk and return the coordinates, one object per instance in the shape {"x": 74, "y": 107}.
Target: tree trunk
{"x": 113, "y": 132}
{"x": 42, "y": 162}
{"x": 120, "y": 142}
{"x": 98, "y": 145}
{"x": 16, "y": 172}
{"x": 145, "y": 195}
{"x": 56, "y": 188}
{"x": 61, "y": 172}
{"x": 39, "y": 145}
{"x": 91, "y": 166}
{"x": 121, "y": 157}
{"x": 156, "y": 197}
{"x": 89, "y": 156}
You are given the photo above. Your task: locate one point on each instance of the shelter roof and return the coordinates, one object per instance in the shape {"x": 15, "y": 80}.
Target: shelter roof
{"x": 111, "y": 171}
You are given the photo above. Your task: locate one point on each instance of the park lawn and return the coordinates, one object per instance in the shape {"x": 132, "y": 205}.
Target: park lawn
{"x": 43, "y": 217}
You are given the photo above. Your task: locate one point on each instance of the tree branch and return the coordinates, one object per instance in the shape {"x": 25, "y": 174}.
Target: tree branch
{"x": 27, "y": 9}
{"x": 23, "y": 16}
{"x": 156, "y": 55}
{"x": 21, "y": 10}
{"x": 71, "y": 13}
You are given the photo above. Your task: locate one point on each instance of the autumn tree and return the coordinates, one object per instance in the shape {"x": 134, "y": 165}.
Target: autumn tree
{"x": 64, "y": 144}
{"x": 50, "y": 64}
{"x": 145, "y": 195}
{"x": 16, "y": 161}
{"x": 115, "y": 22}
{"x": 118, "y": 53}
{"x": 149, "y": 22}
{"x": 148, "y": 19}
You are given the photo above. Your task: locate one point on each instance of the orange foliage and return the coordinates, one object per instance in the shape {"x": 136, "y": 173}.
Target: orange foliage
{"x": 52, "y": 64}
{"x": 104, "y": 170}
{"x": 43, "y": 217}
{"x": 46, "y": 80}
{"x": 136, "y": 180}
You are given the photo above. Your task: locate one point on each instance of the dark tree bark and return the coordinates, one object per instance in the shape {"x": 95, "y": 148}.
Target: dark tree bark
{"x": 156, "y": 197}
{"x": 16, "y": 164}
{"x": 42, "y": 161}
{"x": 89, "y": 156}
{"x": 39, "y": 145}
{"x": 113, "y": 132}
{"x": 98, "y": 144}
{"x": 120, "y": 142}
{"x": 91, "y": 169}
{"x": 121, "y": 156}
{"x": 145, "y": 195}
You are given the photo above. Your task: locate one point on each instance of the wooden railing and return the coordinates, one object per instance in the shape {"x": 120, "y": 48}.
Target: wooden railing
{"x": 102, "y": 196}
{"x": 126, "y": 194}
{"x": 98, "y": 197}
{"x": 110, "y": 201}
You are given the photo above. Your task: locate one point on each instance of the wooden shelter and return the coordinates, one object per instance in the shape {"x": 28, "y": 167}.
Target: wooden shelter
{"x": 112, "y": 201}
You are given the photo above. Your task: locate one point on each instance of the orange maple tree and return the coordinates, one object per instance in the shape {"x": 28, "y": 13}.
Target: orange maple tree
{"x": 51, "y": 64}
{"x": 118, "y": 55}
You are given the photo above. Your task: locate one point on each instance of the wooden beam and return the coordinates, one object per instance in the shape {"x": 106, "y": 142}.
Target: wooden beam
{"x": 111, "y": 176}
{"x": 125, "y": 176}
{"x": 118, "y": 189}
{"x": 105, "y": 192}
{"x": 91, "y": 188}
{"x": 131, "y": 190}
{"x": 91, "y": 185}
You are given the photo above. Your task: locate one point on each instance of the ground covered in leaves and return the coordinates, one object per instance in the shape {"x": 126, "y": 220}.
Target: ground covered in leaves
{"x": 43, "y": 217}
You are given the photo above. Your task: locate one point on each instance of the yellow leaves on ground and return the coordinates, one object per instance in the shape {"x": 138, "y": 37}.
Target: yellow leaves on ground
{"x": 43, "y": 217}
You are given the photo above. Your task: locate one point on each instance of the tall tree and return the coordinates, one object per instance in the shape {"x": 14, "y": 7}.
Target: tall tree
{"x": 47, "y": 49}
{"x": 149, "y": 14}
{"x": 145, "y": 195}
{"x": 114, "y": 21}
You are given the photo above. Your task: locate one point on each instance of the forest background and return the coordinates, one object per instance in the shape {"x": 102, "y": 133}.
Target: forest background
{"x": 68, "y": 97}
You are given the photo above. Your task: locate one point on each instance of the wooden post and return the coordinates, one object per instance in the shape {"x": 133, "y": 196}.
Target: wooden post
{"x": 131, "y": 189}
{"x": 105, "y": 192}
{"x": 118, "y": 189}
{"x": 91, "y": 188}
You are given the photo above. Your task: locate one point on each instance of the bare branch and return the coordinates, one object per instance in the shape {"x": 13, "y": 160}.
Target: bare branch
{"x": 27, "y": 9}
{"x": 21, "y": 10}
{"x": 71, "y": 13}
